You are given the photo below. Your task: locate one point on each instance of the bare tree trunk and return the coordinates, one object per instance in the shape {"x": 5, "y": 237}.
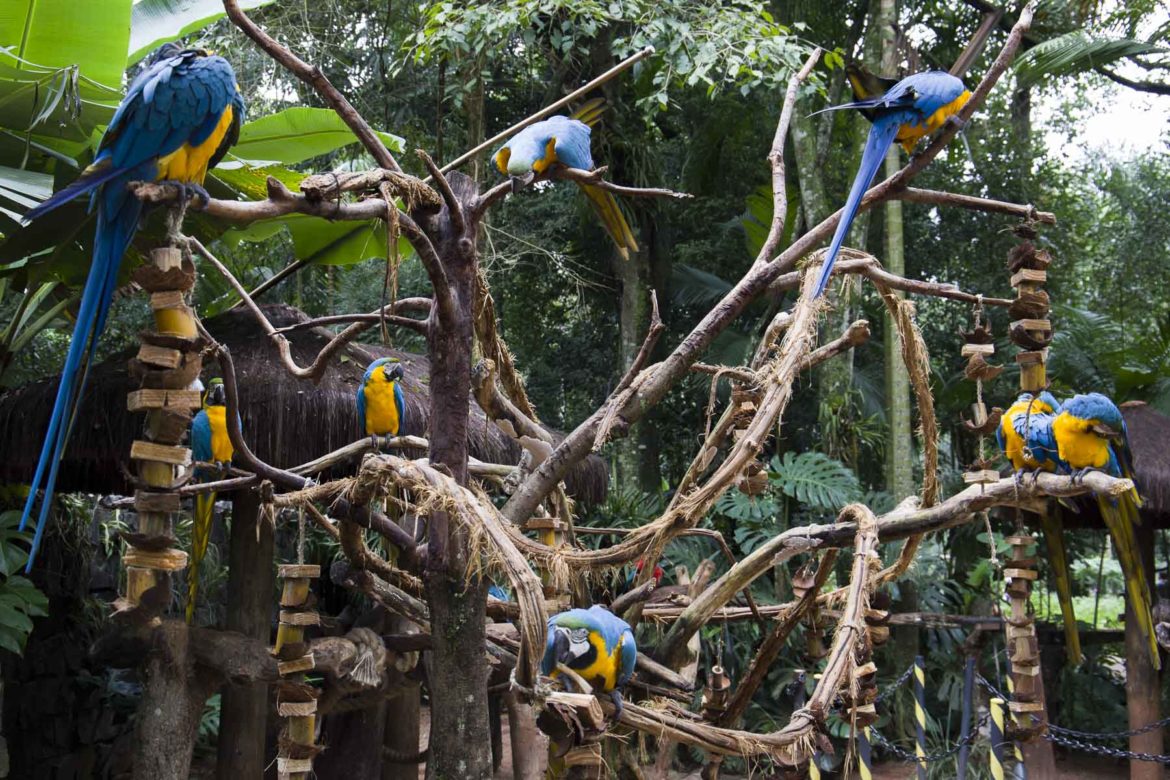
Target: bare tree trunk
{"x": 172, "y": 705}
{"x": 353, "y": 743}
{"x": 900, "y": 447}
{"x": 251, "y": 599}
{"x": 460, "y": 737}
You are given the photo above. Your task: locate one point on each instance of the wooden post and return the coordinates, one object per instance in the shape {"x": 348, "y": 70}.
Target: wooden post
{"x": 167, "y": 362}
{"x": 296, "y": 700}
{"x": 1142, "y": 681}
{"x": 243, "y": 711}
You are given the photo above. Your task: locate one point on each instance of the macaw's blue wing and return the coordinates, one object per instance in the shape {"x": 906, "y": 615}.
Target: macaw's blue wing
{"x": 629, "y": 658}
{"x": 201, "y": 437}
{"x": 173, "y": 120}
{"x": 361, "y": 407}
{"x": 1039, "y": 439}
{"x": 204, "y": 509}
{"x": 400, "y": 405}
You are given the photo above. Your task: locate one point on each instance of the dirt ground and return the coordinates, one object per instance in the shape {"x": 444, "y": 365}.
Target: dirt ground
{"x": 1069, "y": 768}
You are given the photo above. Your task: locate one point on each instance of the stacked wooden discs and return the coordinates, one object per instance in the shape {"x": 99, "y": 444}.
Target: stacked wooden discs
{"x": 1031, "y": 330}
{"x": 1022, "y": 645}
{"x": 167, "y": 364}
{"x": 978, "y": 347}
{"x": 296, "y": 700}
{"x": 861, "y": 695}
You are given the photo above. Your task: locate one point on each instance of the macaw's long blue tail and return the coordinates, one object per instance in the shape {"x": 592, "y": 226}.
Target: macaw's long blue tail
{"x": 1121, "y": 515}
{"x": 117, "y": 219}
{"x": 881, "y": 135}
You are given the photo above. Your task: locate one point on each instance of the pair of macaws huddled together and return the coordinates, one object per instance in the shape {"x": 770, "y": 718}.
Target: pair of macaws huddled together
{"x": 1086, "y": 432}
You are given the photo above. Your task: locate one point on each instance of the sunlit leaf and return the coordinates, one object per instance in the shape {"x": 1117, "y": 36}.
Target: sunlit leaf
{"x": 154, "y": 22}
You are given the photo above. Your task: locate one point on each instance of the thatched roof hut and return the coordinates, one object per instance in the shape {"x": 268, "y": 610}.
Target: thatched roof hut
{"x": 287, "y": 421}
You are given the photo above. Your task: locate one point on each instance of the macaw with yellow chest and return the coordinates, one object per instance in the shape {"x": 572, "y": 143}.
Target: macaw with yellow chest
{"x": 566, "y": 140}
{"x": 594, "y": 643}
{"x": 380, "y": 403}
{"x": 210, "y": 443}
{"x": 1091, "y": 436}
{"x": 1026, "y": 438}
{"x": 179, "y": 117}
{"x": 903, "y": 111}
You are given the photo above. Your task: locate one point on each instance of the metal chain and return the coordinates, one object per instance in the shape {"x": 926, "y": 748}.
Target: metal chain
{"x": 906, "y": 755}
{"x": 1072, "y": 734}
{"x": 895, "y": 685}
{"x": 1103, "y": 750}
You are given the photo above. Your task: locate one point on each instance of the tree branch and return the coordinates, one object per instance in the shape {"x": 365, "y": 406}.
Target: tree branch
{"x": 662, "y": 378}
{"x": 854, "y": 261}
{"x": 936, "y": 198}
{"x": 593, "y": 178}
{"x": 776, "y": 160}
{"x": 1153, "y": 87}
{"x": 453, "y": 204}
{"x": 312, "y": 75}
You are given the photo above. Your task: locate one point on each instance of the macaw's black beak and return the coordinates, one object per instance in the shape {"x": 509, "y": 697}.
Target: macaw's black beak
{"x": 522, "y": 181}
{"x": 562, "y": 648}
{"x": 394, "y": 372}
{"x": 1107, "y": 431}
{"x": 217, "y": 396}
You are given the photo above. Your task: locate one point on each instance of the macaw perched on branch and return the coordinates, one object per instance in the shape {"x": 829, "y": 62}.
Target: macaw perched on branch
{"x": 904, "y": 111}
{"x": 179, "y": 117}
{"x": 595, "y": 644}
{"x": 209, "y": 444}
{"x": 1091, "y": 435}
{"x": 566, "y": 140}
{"x": 380, "y": 404}
{"x": 1026, "y": 438}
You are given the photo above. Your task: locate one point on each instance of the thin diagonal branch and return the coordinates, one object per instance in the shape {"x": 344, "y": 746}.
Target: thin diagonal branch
{"x": 776, "y": 160}
{"x": 312, "y": 75}
{"x": 453, "y": 204}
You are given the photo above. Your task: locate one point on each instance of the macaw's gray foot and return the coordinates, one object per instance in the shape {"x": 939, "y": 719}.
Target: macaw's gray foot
{"x": 618, "y": 705}
{"x": 954, "y": 120}
{"x": 1036, "y": 476}
{"x": 187, "y": 189}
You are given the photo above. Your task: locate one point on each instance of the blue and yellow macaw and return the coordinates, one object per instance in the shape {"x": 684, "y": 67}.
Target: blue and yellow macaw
{"x": 209, "y": 444}
{"x": 179, "y": 117}
{"x": 905, "y": 112}
{"x": 1091, "y": 435}
{"x": 595, "y": 644}
{"x": 1027, "y": 440}
{"x": 566, "y": 140}
{"x": 380, "y": 404}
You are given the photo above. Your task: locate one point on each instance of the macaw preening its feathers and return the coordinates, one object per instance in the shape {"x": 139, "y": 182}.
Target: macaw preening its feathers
{"x": 179, "y": 117}
{"x": 1090, "y": 433}
{"x": 1027, "y": 440}
{"x": 209, "y": 444}
{"x": 904, "y": 111}
{"x": 380, "y": 403}
{"x": 566, "y": 140}
{"x": 594, "y": 643}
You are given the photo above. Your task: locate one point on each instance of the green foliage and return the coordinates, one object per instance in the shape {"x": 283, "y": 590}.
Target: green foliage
{"x": 815, "y": 480}
{"x": 1075, "y": 52}
{"x": 20, "y": 601}
{"x": 697, "y": 43}
{"x": 297, "y": 134}
{"x": 155, "y": 22}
